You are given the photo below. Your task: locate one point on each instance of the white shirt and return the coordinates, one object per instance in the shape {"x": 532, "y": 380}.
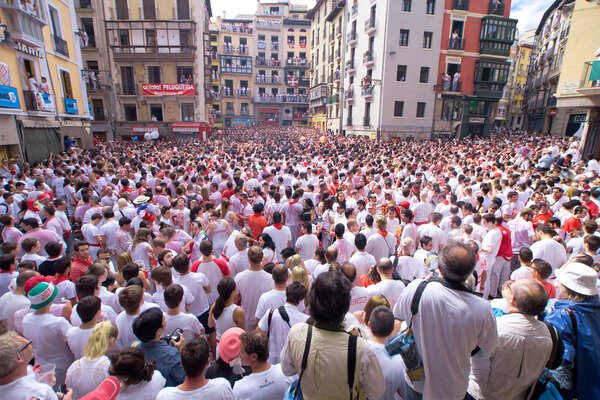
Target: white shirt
{"x": 409, "y": 268}
{"x": 196, "y": 282}
{"x": 521, "y": 273}
{"x": 77, "y": 339}
{"x": 239, "y": 262}
{"x": 363, "y": 262}
{"x": 109, "y": 315}
{"x": 267, "y": 385}
{"x": 358, "y": 298}
{"x": 280, "y": 237}
{"x": 48, "y": 334}
{"x": 380, "y": 247}
{"x": 27, "y": 387}
{"x": 271, "y": 299}
{"x": 109, "y": 230}
{"x": 85, "y": 375}
{"x": 306, "y": 244}
{"x": 215, "y": 389}
{"x": 393, "y": 371}
{"x": 438, "y": 238}
{"x": 11, "y": 303}
{"x": 144, "y": 389}
{"x": 279, "y": 329}
{"x": 550, "y": 251}
{"x": 212, "y": 271}
{"x": 389, "y": 288}
{"x": 187, "y": 322}
{"x": 251, "y": 285}
{"x": 449, "y": 324}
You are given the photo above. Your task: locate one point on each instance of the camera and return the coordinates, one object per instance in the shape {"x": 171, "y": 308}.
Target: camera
{"x": 173, "y": 336}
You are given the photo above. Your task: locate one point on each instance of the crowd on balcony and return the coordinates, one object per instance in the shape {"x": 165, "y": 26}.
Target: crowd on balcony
{"x": 186, "y": 79}
{"x": 451, "y": 83}
{"x": 272, "y": 62}
{"x": 84, "y": 39}
{"x": 296, "y": 61}
{"x": 284, "y": 98}
{"x": 243, "y": 91}
{"x": 237, "y": 27}
{"x": 91, "y": 79}
{"x": 262, "y": 78}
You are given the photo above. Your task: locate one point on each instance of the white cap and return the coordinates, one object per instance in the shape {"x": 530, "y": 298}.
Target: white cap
{"x": 579, "y": 278}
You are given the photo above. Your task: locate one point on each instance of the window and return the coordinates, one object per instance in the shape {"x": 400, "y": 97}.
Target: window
{"x": 65, "y": 79}
{"x": 55, "y": 22}
{"x": 398, "y": 109}
{"x": 401, "y": 73}
{"x": 88, "y": 27}
{"x": 149, "y": 9}
{"x": 183, "y": 9}
{"x": 187, "y": 112}
{"x": 404, "y": 37}
{"x": 154, "y": 74}
{"x": 427, "y": 39}
{"x": 430, "y": 7}
{"x": 127, "y": 81}
{"x": 122, "y": 9}
{"x": 420, "y": 110}
{"x": 98, "y": 110}
{"x": 130, "y": 112}
{"x": 406, "y": 5}
{"x": 184, "y": 73}
{"x": 156, "y": 112}
{"x": 424, "y": 75}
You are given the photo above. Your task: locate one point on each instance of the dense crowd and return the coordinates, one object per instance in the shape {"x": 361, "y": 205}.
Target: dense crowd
{"x": 272, "y": 262}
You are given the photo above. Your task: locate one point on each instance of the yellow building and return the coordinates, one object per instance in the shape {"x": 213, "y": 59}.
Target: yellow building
{"x": 160, "y": 70}
{"x": 42, "y": 97}
{"x": 578, "y": 91}
{"x": 520, "y": 62}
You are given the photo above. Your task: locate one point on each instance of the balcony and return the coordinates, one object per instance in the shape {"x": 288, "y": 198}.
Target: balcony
{"x": 229, "y": 112}
{"x": 338, "y": 54}
{"x": 244, "y": 112}
{"x": 236, "y": 69}
{"x": 368, "y": 58}
{"x": 370, "y": 25}
{"x": 590, "y": 79}
{"x": 297, "y": 62}
{"x": 330, "y": 59}
{"x": 354, "y": 9}
{"x": 496, "y": 8}
{"x": 489, "y": 90}
{"x": 274, "y": 45}
{"x": 551, "y": 101}
{"x": 351, "y": 38}
{"x": 495, "y": 48}
{"x": 243, "y": 92}
{"x": 565, "y": 33}
{"x": 35, "y": 102}
{"x": 350, "y": 66}
{"x": 367, "y": 91}
{"x": 86, "y": 4}
{"x": 454, "y": 88}
{"x": 60, "y": 45}
{"x": 228, "y": 27}
{"x": 366, "y": 122}
{"x": 96, "y": 79}
{"x": 460, "y": 5}
{"x": 261, "y": 62}
{"x": 269, "y": 80}
{"x": 456, "y": 44}
{"x": 128, "y": 89}
{"x": 303, "y": 82}
{"x": 281, "y": 98}
{"x": 273, "y": 26}
{"x": 338, "y": 32}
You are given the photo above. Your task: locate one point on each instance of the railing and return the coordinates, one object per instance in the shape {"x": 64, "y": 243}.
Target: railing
{"x": 243, "y": 92}
{"x": 338, "y": 54}
{"x": 455, "y": 86}
{"x": 351, "y": 37}
{"x": 366, "y": 91}
{"x": 236, "y": 69}
{"x": 496, "y": 7}
{"x": 153, "y": 49}
{"x": 456, "y": 44}
{"x": 586, "y": 83}
{"x": 301, "y": 62}
{"x": 274, "y": 45}
{"x": 565, "y": 32}
{"x": 330, "y": 58}
{"x": 96, "y": 79}
{"x": 366, "y": 121}
{"x": 281, "y": 98}
{"x": 229, "y": 112}
{"x": 367, "y": 57}
{"x": 354, "y": 9}
{"x": 215, "y": 75}
{"x": 85, "y": 3}
{"x": 244, "y": 112}
{"x": 370, "y": 23}
{"x": 460, "y": 5}
{"x": 350, "y": 65}
{"x": 268, "y": 25}
{"x": 236, "y": 28}
{"x": 259, "y": 62}
{"x": 227, "y": 93}
{"x": 60, "y": 45}
{"x": 274, "y": 79}
{"x": 350, "y": 94}
{"x": 338, "y": 30}
{"x": 551, "y": 101}
{"x": 303, "y": 82}
{"x": 331, "y": 37}
{"x": 32, "y": 101}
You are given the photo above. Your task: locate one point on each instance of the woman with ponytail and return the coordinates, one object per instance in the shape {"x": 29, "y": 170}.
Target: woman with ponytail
{"x": 85, "y": 374}
{"x": 224, "y": 313}
{"x": 140, "y": 379}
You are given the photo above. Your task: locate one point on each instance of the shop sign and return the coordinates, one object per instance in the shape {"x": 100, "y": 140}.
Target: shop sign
{"x": 9, "y": 97}
{"x": 241, "y": 120}
{"x": 162, "y": 89}
{"x": 140, "y": 130}
{"x": 477, "y": 120}
{"x": 69, "y": 123}
{"x": 70, "y": 106}
{"x": 32, "y": 51}
{"x": 187, "y": 128}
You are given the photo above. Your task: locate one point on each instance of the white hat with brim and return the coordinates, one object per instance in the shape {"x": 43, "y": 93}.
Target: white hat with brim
{"x": 579, "y": 278}
{"x": 141, "y": 199}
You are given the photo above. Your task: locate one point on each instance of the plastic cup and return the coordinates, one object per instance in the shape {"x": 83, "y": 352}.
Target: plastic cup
{"x": 45, "y": 373}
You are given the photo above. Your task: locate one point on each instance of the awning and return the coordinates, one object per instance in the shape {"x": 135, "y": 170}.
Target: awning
{"x": 268, "y": 110}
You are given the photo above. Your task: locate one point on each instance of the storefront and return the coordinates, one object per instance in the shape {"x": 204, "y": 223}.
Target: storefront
{"x": 267, "y": 116}
{"x": 183, "y": 132}
{"x": 80, "y": 131}
{"x": 40, "y": 138}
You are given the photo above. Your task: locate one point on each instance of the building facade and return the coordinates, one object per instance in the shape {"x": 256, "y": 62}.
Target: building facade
{"x": 161, "y": 67}
{"x": 473, "y": 69}
{"x": 518, "y": 79}
{"x": 392, "y": 58}
{"x": 42, "y": 97}
{"x": 578, "y": 92}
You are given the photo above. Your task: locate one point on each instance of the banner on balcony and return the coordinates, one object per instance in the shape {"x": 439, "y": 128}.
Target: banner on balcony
{"x": 9, "y": 97}
{"x": 163, "y": 89}
{"x": 595, "y": 73}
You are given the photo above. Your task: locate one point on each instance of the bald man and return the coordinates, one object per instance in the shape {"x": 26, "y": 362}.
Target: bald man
{"x": 524, "y": 346}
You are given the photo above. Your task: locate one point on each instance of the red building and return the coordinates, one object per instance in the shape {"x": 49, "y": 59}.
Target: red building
{"x": 476, "y": 39}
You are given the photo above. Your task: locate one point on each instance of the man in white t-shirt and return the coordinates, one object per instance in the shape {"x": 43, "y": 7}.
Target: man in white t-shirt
{"x": 382, "y": 243}
{"x": 361, "y": 260}
{"x": 388, "y": 287}
{"x": 408, "y": 267}
{"x": 276, "y": 323}
{"x": 238, "y": 262}
{"x": 11, "y": 302}
{"x": 266, "y": 382}
{"x": 280, "y": 234}
{"x": 195, "y": 358}
{"x": 489, "y": 250}
{"x": 433, "y": 230}
{"x": 90, "y": 313}
{"x": 450, "y": 323}
{"x": 92, "y": 234}
{"x": 251, "y": 284}
{"x": 307, "y": 243}
{"x": 175, "y": 318}
{"x": 358, "y": 295}
{"x": 275, "y": 297}
{"x": 547, "y": 248}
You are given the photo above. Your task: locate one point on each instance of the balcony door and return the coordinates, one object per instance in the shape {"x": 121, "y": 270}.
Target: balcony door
{"x": 183, "y": 9}
{"x": 149, "y": 9}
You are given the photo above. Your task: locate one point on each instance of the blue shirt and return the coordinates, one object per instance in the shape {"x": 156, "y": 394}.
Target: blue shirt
{"x": 168, "y": 361}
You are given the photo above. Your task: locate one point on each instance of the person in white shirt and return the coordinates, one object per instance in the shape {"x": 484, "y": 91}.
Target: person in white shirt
{"x": 489, "y": 250}
{"x": 92, "y": 234}
{"x": 433, "y": 230}
{"x": 109, "y": 229}
{"x": 11, "y": 302}
{"x": 361, "y": 260}
{"x": 524, "y": 271}
{"x": 358, "y": 295}
{"x": 276, "y": 323}
{"x": 382, "y": 243}
{"x": 90, "y": 313}
{"x": 547, "y": 248}
{"x": 522, "y": 351}
{"x": 408, "y": 267}
{"x": 266, "y": 382}
{"x": 281, "y": 235}
{"x": 462, "y": 322}
{"x": 275, "y": 297}
{"x": 8, "y": 272}
{"x": 238, "y": 262}
{"x": 252, "y": 283}
{"x": 307, "y": 242}
{"x": 195, "y": 359}
{"x": 388, "y": 287}
{"x": 175, "y": 318}
{"x": 409, "y": 229}
{"x": 381, "y": 326}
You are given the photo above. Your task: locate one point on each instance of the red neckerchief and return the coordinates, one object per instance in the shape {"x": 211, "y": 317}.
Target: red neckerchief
{"x": 292, "y": 202}
{"x": 382, "y": 233}
{"x": 61, "y": 278}
{"x": 3, "y": 271}
{"x": 278, "y": 226}
{"x": 257, "y": 215}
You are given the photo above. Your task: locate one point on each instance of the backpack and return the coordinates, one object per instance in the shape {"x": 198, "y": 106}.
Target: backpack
{"x": 284, "y": 315}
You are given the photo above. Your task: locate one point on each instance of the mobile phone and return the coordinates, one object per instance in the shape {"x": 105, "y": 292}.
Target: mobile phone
{"x": 63, "y": 388}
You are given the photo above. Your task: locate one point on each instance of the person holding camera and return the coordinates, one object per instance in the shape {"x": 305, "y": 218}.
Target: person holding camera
{"x": 149, "y": 328}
